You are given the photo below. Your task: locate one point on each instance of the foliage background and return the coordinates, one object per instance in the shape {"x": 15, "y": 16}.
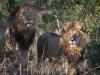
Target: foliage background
{"x": 66, "y": 10}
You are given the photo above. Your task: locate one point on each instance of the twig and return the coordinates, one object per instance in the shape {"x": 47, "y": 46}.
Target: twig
{"x": 91, "y": 70}
{"x": 58, "y": 24}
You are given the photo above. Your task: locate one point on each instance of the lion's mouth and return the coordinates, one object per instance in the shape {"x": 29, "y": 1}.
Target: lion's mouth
{"x": 28, "y": 25}
{"x": 73, "y": 44}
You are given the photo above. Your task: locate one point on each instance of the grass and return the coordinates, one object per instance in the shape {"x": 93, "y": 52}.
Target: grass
{"x": 62, "y": 67}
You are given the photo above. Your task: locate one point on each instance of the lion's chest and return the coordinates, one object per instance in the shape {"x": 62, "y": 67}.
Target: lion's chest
{"x": 24, "y": 39}
{"x": 27, "y": 35}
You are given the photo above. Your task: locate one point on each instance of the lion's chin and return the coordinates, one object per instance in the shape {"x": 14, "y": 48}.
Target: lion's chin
{"x": 73, "y": 50}
{"x": 72, "y": 45}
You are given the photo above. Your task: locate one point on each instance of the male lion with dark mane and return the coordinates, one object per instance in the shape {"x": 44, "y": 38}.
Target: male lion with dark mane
{"x": 22, "y": 28}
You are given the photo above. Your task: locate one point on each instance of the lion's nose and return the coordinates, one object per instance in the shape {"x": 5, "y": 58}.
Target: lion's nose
{"x": 72, "y": 39}
{"x": 29, "y": 16}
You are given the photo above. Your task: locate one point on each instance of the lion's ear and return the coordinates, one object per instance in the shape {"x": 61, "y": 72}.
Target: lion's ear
{"x": 67, "y": 26}
{"x": 84, "y": 26}
{"x": 80, "y": 25}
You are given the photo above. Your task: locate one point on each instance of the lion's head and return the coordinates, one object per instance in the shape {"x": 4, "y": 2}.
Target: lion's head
{"x": 23, "y": 18}
{"x": 74, "y": 41}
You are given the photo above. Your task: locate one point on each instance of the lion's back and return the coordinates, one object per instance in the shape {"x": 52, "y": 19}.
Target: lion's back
{"x": 49, "y": 44}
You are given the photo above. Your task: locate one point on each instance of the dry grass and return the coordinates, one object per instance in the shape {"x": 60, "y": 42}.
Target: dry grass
{"x": 44, "y": 68}
{"x": 62, "y": 67}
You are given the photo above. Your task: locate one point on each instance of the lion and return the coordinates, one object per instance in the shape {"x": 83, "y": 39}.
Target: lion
{"x": 22, "y": 28}
{"x": 76, "y": 41}
{"x": 70, "y": 43}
